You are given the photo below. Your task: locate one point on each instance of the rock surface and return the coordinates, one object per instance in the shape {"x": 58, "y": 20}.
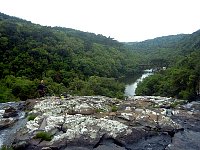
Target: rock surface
{"x": 8, "y": 116}
{"x": 98, "y": 122}
{"x": 10, "y": 112}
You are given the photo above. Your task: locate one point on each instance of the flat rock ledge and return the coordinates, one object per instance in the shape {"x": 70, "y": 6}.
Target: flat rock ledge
{"x": 91, "y": 122}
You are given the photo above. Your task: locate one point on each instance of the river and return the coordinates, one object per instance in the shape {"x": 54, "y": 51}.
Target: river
{"x": 6, "y": 134}
{"x": 132, "y": 83}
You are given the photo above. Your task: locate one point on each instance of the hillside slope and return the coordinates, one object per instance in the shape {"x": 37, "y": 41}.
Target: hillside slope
{"x": 182, "y": 79}
{"x": 65, "y": 58}
{"x": 168, "y": 48}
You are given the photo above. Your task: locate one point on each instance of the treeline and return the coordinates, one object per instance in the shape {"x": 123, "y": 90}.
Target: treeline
{"x": 68, "y": 60}
{"x": 82, "y": 63}
{"x": 168, "y": 49}
{"x": 182, "y": 80}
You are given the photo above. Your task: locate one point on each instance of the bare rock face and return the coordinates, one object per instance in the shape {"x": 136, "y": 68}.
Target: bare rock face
{"x": 88, "y": 121}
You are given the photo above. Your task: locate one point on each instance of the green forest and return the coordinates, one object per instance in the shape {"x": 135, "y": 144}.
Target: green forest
{"x": 82, "y": 63}
{"x": 68, "y": 60}
{"x": 181, "y": 53}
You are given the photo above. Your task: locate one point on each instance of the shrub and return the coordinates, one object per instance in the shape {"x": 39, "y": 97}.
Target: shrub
{"x": 114, "y": 108}
{"x": 5, "y": 147}
{"x": 31, "y": 117}
{"x": 176, "y": 103}
{"x": 44, "y": 136}
{"x": 99, "y": 110}
{"x": 6, "y": 94}
{"x": 21, "y": 87}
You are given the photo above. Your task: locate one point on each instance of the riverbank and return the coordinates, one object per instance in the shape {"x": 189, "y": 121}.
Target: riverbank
{"x": 98, "y": 122}
{"x": 133, "y": 81}
{"x": 12, "y": 118}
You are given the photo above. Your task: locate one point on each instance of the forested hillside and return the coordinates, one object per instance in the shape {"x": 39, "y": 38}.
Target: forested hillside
{"x": 68, "y": 60}
{"x": 168, "y": 49}
{"x": 82, "y": 63}
{"x": 182, "y": 79}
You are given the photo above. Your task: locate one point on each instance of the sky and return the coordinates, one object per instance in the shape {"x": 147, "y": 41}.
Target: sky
{"x": 123, "y": 20}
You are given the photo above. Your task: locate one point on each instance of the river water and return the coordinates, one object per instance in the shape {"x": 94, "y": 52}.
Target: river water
{"x": 131, "y": 85}
{"x": 6, "y": 135}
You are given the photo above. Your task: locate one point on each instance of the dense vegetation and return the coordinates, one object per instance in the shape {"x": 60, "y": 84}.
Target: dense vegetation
{"x": 161, "y": 51}
{"x": 68, "y": 60}
{"x": 83, "y": 63}
{"x": 182, "y": 80}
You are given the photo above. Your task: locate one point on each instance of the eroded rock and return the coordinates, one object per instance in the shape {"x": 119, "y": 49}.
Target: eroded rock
{"x": 6, "y": 122}
{"x": 82, "y": 121}
{"x": 10, "y": 112}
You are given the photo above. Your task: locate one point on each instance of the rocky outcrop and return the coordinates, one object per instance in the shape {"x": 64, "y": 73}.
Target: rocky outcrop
{"x": 6, "y": 122}
{"x": 95, "y": 122}
{"x": 10, "y": 112}
{"x": 8, "y": 116}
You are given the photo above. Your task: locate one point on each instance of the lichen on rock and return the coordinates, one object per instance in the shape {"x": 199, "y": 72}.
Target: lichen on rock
{"x": 76, "y": 120}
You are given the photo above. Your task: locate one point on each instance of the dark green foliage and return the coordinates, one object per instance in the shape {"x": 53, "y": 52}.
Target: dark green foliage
{"x": 177, "y": 103}
{"x": 114, "y": 108}
{"x": 44, "y": 136}
{"x": 166, "y": 49}
{"x": 83, "y": 63}
{"x": 22, "y": 87}
{"x": 149, "y": 85}
{"x": 181, "y": 81}
{"x": 6, "y": 94}
{"x": 65, "y": 58}
{"x": 31, "y": 117}
{"x": 182, "y": 54}
{"x": 97, "y": 86}
{"x": 5, "y": 147}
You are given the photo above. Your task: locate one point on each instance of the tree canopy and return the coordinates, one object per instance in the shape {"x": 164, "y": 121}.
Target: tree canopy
{"x": 70, "y": 58}
{"x": 182, "y": 79}
{"x": 83, "y": 63}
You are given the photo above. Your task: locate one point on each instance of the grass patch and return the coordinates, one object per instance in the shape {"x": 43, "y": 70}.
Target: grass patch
{"x": 44, "y": 136}
{"x": 98, "y": 110}
{"x": 114, "y": 108}
{"x": 31, "y": 117}
{"x": 5, "y": 147}
{"x": 177, "y": 103}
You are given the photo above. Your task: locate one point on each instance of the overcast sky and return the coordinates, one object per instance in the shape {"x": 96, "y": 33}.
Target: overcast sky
{"x": 123, "y": 20}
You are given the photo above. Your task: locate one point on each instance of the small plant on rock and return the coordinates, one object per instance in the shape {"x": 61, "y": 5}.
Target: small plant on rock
{"x": 31, "y": 117}
{"x": 98, "y": 110}
{"x": 5, "y": 147}
{"x": 44, "y": 136}
{"x": 177, "y": 103}
{"x": 114, "y": 108}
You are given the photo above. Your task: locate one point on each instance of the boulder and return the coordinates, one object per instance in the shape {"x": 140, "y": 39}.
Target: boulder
{"x": 20, "y": 145}
{"x": 185, "y": 140}
{"x": 6, "y": 122}
{"x": 10, "y": 112}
